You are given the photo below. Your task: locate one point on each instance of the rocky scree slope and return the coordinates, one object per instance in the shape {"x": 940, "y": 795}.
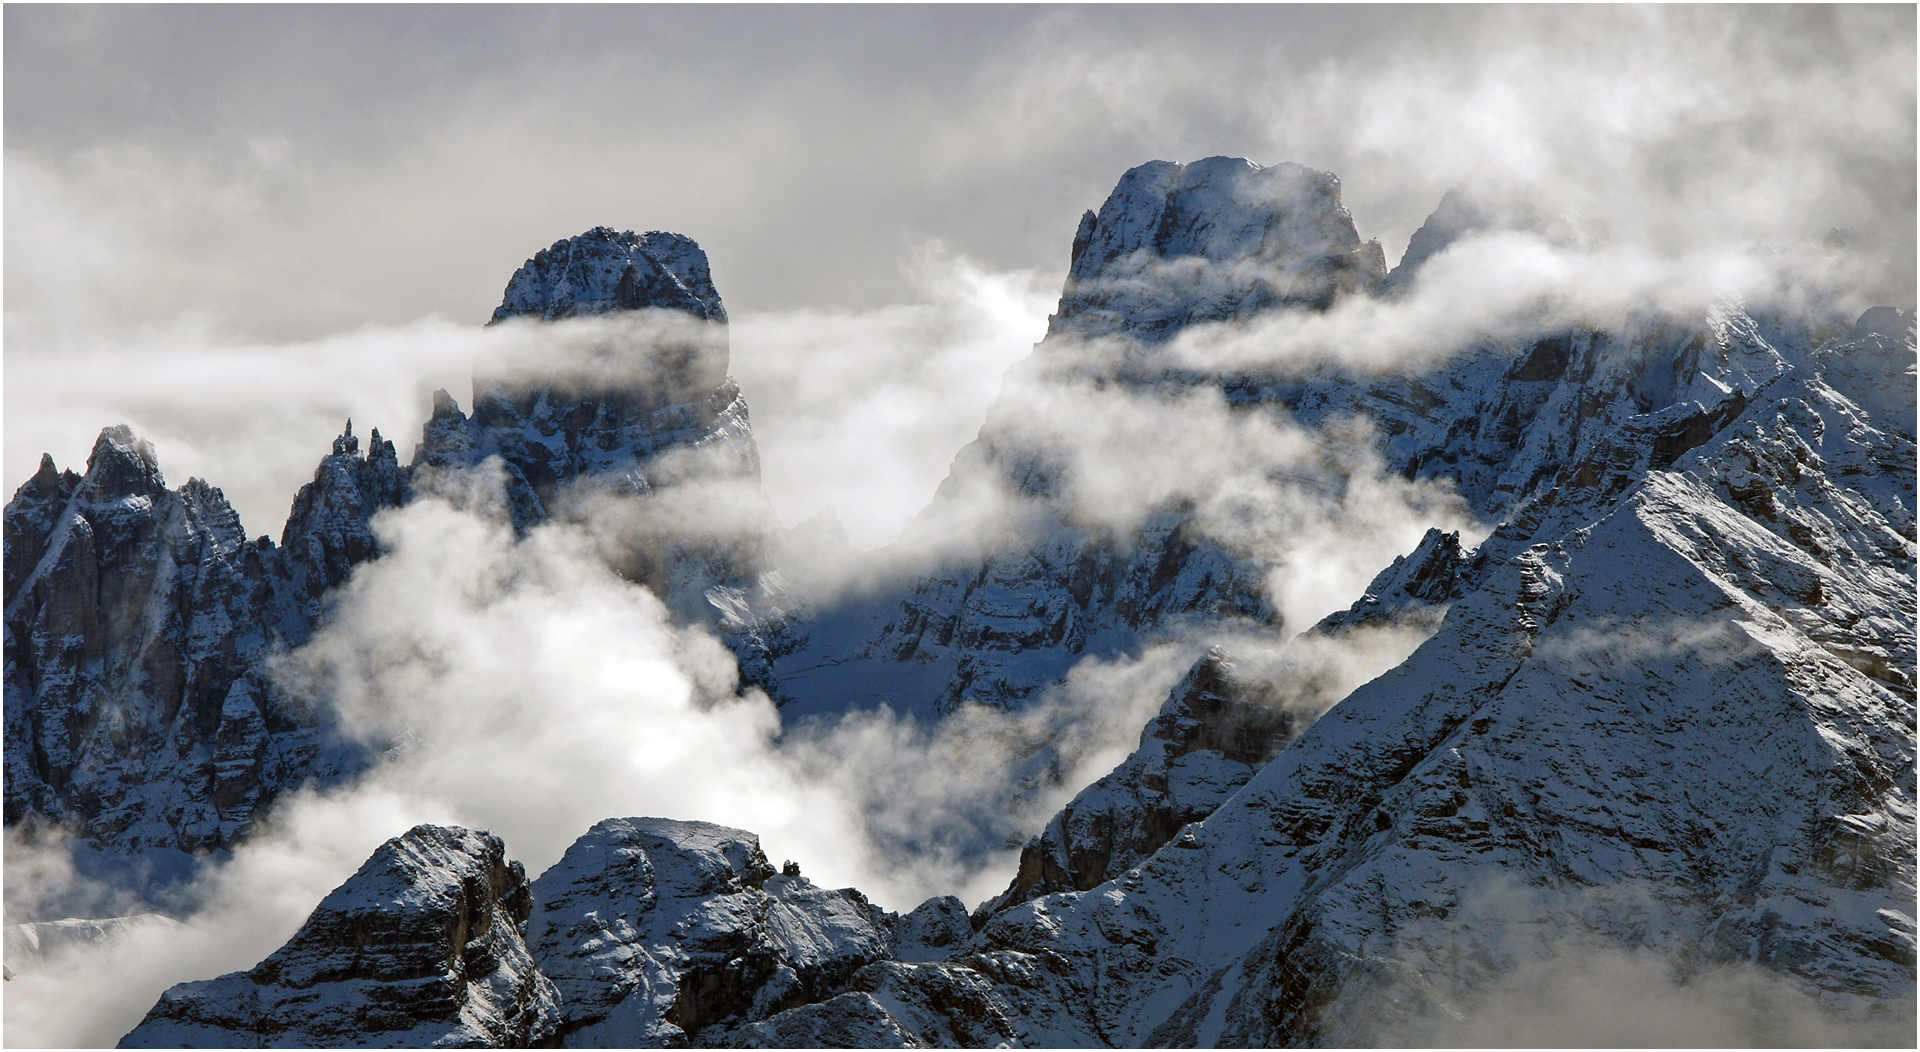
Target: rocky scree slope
{"x": 139, "y": 712}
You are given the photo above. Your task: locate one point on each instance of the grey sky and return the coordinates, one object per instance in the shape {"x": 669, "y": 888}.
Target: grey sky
{"x": 191, "y": 186}
{"x": 291, "y": 171}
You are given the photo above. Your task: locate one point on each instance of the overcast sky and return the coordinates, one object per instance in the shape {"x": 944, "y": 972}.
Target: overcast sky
{"x": 228, "y": 176}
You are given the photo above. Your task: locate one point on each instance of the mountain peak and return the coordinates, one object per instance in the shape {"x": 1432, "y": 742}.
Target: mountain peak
{"x": 604, "y": 270}
{"x": 1218, "y": 238}
{"x": 123, "y": 465}
{"x": 421, "y": 947}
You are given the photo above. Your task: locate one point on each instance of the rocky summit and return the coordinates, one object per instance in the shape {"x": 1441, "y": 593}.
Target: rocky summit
{"x": 140, "y": 714}
{"x": 1662, "y": 714}
{"x": 423, "y": 947}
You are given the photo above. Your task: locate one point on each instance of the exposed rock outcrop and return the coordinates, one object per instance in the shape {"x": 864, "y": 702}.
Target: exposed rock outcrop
{"x": 423, "y": 947}
{"x": 1221, "y": 238}
{"x": 661, "y": 933}
{"x": 1209, "y": 738}
{"x": 1416, "y": 588}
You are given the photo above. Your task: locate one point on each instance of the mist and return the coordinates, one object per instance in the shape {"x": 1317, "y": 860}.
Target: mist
{"x": 521, "y": 685}
{"x": 212, "y": 241}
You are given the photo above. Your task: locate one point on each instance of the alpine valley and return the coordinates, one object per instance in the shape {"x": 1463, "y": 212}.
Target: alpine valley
{"x": 1660, "y": 717}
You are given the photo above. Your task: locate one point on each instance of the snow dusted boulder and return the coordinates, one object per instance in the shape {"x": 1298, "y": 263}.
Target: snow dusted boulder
{"x": 934, "y": 929}
{"x": 661, "y": 934}
{"x": 423, "y": 947}
{"x": 851, "y": 1020}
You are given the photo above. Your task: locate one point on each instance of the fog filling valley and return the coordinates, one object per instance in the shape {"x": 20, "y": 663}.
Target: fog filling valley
{"x": 235, "y": 289}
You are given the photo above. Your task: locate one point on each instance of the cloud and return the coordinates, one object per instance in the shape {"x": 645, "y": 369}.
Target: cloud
{"x": 212, "y": 241}
{"x": 1576, "y": 1000}
{"x": 241, "y": 180}
{"x": 1501, "y": 287}
{"x": 251, "y": 418}
{"x": 861, "y": 411}
{"x": 523, "y": 686}
{"x": 1544, "y": 972}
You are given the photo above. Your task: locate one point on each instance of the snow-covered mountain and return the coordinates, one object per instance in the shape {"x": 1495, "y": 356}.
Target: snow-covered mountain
{"x": 1666, "y": 708}
{"x": 423, "y": 947}
{"x": 1046, "y": 584}
{"x": 138, "y": 622}
{"x": 139, "y": 710}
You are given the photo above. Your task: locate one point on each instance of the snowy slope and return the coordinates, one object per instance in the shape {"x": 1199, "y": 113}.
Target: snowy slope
{"x": 1678, "y": 717}
{"x": 656, "y": 931}
{"x": 423, "y": 947}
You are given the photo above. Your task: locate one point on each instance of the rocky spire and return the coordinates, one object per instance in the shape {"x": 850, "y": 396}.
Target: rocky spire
{"x": 604, "y": 270}
{"x": 123, "y": 465}
{"x": 1218, "y": 238}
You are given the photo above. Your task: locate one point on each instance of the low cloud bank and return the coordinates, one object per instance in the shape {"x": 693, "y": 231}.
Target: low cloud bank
{"x": 523, "y": 686}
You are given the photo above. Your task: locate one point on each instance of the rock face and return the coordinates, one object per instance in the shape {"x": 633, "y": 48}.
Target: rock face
{"x": 1173, "y": 246}
{"x": 1669, "y": 710}
{"x": 606, "y": 403}
{"x": 631, "y": 406}
{"x": 603, "y": 271}
{"x": 138, "y": 619}
{"x": 648, "y": 933}
{"x": 1212, "y": 734}
{"x": 424, "y": 946}
{"x": 662, "y": 933}
{"x": 1416, "y": 588}
{"x": 1221, "y": 238}
{"x": 139, "y": 711}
